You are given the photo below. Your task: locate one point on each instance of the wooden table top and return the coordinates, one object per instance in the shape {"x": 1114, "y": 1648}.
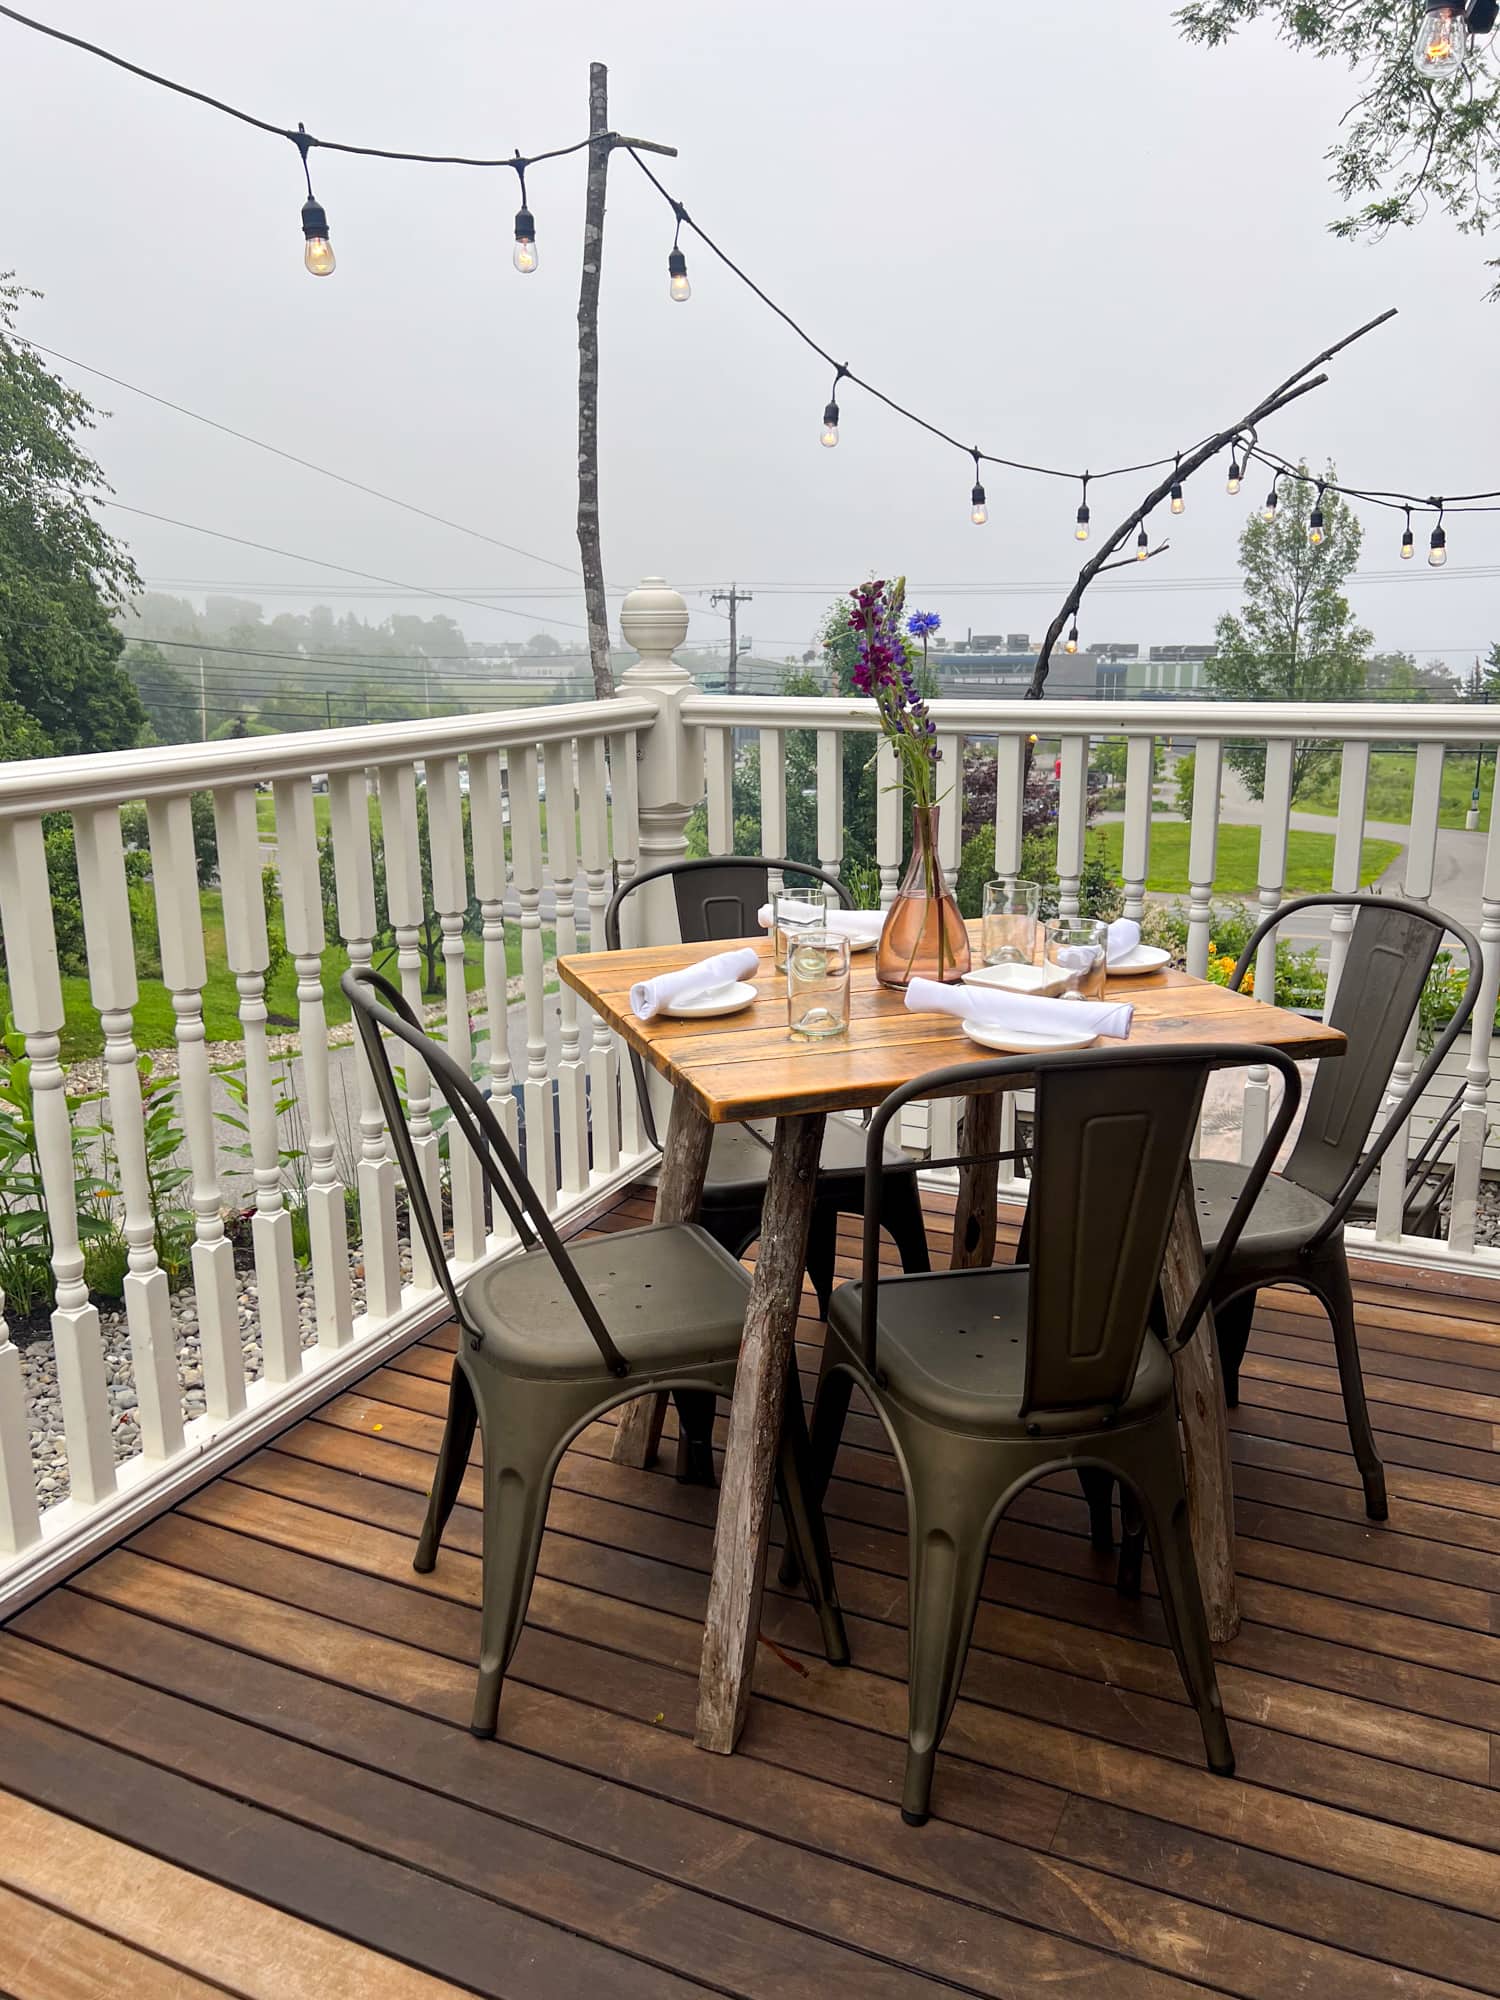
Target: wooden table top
{"x": 748, "y": 1065}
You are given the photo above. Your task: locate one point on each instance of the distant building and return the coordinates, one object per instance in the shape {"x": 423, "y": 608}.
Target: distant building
{"x": 1169, "y": 671}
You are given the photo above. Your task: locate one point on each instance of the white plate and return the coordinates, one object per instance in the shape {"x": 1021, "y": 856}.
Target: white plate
{"x": 1018, "y": 977}
{"x": 866, "y": 943}
{"x": 1017, "y": 1042}
{"x": 1143, "y": 958}
{"x": 717, "y": 1000}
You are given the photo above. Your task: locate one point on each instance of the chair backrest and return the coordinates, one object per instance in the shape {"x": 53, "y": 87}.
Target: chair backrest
{"x": 717, "y": 898}
{"x": 377, "y": 1004}
{"x": 1113, "y": 1133}
{"x": 1391, "y": 952}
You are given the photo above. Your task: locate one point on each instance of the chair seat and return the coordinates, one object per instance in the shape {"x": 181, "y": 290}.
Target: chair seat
{"x": 667, "y": 1293}
{"x": 952, "y": 1346}
{"x": 1282, "y": 1220}
{"x": 740, "y": 1159}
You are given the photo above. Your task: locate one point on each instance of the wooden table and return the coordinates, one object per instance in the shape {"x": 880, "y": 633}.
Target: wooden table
{"x": 748, "y": 1066}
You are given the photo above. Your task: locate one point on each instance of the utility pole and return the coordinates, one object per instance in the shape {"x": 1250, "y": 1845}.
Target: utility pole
{"x": 734, "y": 597}
{"x": 202, "y": 701}
{"x": 602, "y": 143}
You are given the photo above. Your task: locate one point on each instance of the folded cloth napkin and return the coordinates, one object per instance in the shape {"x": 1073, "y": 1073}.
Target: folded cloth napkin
{"x": 1123, "y": 938}
{"x": 993, "y": 1007}
{"x": 649, "y": 996}
{"x": 845, "y": 923}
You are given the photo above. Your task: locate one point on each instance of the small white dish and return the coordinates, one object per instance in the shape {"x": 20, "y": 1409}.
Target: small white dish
{"x": 1014, "y": 976}
{"x": 866, "y": 942}
{"x": 1017, "y": 1042}
{"x": 717, "y": 1000}
{"x": 1142, "y": 958}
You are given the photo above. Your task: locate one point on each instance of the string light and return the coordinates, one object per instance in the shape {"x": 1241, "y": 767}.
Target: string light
{"x": 1081, "y": 532}
{"x": 978, "y": 512}
{"x": 829, "y": 435}
{"x": 1437, "y": 548}
{"x": 1315, "y": 520}
{"x": 678, "y": 287}
{"x": 1407, "y": 541}
{"x": 1268, "y": 512}
{"x": 1232, "y": 485}
{"x": 317, "y": 251}
{"x": 1442, "y": 42}
{"x": 1142, "y": 546}
{"x": 524, "y": 256}
{"x": 1178, "y": 503}
{"x": 1072, "y": 645}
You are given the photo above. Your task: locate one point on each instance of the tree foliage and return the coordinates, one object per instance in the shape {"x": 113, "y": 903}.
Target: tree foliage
{"x": 171, "y": 703}
{"x": 1407, "y": 143}
{"x": 1296, "y": 639}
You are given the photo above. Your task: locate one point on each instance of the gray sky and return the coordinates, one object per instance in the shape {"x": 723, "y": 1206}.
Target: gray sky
{"x": 1079, "y": 249}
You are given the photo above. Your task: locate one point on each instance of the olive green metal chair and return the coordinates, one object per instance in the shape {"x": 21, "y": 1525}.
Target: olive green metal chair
{"x": 1295, "y": 1232}
{"x": 988, "y": 1379}
{"x": 553, "y": 1338}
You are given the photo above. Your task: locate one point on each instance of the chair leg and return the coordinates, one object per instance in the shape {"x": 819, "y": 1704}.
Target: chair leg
{"x": 949, "y": 1550}
{"x": 1163, "y": 1501}
{"x": 515, "y": 1511}
{"x": 806, "y": 1532}
{"x": 901, "y": 1217}
{"x": 1099, "y": 1491}
{"x": 1330, "y": 1283}
{"x": 823, "y": 1252}
{"x": 830, "y": 1407}
{"x": 1232, "y": 1326}
{"x": 1132, "y": 1543}
{"x": 695, "y": 1436}
{"x": 453, "y": 1462}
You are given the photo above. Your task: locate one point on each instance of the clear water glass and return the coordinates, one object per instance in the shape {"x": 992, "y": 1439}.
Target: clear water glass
{"x": 794, "y": 911}
{"x": 1076, "y": 950}
{"x": 1009, "y": 922}
{"x": 817, "y": 984}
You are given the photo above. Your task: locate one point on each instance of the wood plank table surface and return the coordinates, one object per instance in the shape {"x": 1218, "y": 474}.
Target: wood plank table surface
{"x": 747, "y": 1065}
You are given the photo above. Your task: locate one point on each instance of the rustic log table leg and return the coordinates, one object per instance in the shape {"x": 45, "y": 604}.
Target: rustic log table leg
{"x": 1205, "y": 1423}
{"x": 733, "y": 1621}
{"x": 679, "y": 1191}
{"x": 978, "y": 1186}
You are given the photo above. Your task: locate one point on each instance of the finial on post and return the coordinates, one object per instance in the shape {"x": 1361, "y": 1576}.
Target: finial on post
{"x": 654, "y": 620}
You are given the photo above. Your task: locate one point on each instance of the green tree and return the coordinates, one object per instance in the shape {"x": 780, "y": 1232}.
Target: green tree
{"x": 1397, "y": 677}
{"x": 170, "y": 701}
{"x": 1296, "y": 639}
{"x": 62, "y": 575}
{"x": 1409, "y": 143}
{"x": 21, "y": 735}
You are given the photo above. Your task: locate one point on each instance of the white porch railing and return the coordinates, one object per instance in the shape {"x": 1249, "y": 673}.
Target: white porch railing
{"x": 514, "y": 826}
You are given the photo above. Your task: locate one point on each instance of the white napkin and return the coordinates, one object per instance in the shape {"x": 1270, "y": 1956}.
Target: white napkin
{"x": 1123, "y": 938}
{"x": 649, "y": 996}
{"x": 1023, "y": 1012}
{"x": 845, "y": 923}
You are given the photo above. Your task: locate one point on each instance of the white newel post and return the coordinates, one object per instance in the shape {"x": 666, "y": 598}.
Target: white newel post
{"x": 654, "y": 620}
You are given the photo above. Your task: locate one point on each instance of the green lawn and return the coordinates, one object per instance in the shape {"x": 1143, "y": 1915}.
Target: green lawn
{"x": 1389, "y": 797}
{"x": 154, "y": 1017}
{"x": 1309, "y": 864}
{"x": 265, "y": 814}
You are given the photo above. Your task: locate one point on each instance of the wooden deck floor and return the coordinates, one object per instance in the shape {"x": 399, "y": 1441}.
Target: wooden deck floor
{"x": 233, "y": 1754}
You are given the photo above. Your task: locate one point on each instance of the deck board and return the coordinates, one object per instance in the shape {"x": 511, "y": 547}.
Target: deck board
{"x": 233, "y": 1752}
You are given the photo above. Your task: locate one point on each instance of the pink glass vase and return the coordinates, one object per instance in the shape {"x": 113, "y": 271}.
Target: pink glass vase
{"x": 924, "y": 935}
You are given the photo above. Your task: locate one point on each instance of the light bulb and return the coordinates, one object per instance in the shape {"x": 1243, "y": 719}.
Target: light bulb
{"x": 829, "y": 434}
{"x": 317, "y": 251}
{"x": 524, "y": 255}
{"x": 1142, "y": 546}
{"x": 1072, "y": 645}
{"x": 1407, "y": 544}
{"x": 1437, "y": 549}
{"x": 978, "y": 512}
{"x": 1081, "y": 532}
{"x": 1315, "y": 527}
{"x": 1232, "y": 485}
{"x": 1179, "y": 505}
{"x": 1269, "y": 510}
{"x": 677, "y": 286}
{"x": 1442, "y": 42}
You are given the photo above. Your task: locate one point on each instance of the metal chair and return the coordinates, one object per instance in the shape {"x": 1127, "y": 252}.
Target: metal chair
{"x": 716, "y": 899}
{"x": 1295, "y": 1234}
{"x": 553, "y": 1338}
{"x": 988, "y": 1379}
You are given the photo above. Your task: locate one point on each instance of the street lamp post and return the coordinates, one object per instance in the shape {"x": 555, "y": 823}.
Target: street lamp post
{"x": 1471, "y": 817}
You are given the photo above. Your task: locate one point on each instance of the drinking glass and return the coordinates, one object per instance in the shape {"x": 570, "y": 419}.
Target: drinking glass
{"x": 794, "y": 911}
{"x": 1076, "y": 949}
{"x": 1009, "y": 932}
{"x": 817, "y": 984}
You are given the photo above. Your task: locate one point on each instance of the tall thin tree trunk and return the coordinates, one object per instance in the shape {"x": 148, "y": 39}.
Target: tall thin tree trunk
{"x": 588, "y": 385}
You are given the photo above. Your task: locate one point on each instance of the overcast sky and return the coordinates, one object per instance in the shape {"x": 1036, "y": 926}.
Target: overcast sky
{"x": 1055, "y": 230}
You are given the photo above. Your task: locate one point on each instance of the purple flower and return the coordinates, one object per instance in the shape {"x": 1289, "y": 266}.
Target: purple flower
{"x": 921, "y": 623}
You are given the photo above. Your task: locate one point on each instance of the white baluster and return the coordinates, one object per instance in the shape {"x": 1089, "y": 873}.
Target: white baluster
{"x": 450, "y": 895}
{"x": 951, "y": 814}
{"x": 375, "y": 1175}
{"x": 37, "y": 1006}
{"x": 1010, "y": 786}
{"x": 718, "y": 764}
{"x": 1135, "y": 846}
{"x": 184, "y": 971}
{"x": 302, "y": 906}
{"x": 603, "y": 1064}
{"x": 562, "y": 860}
{"x": 1072, "y": 800}
{"x": 1203, "y": 850}
{"x": 19, "y": 1522}
{"x": 830, "y": 800}
{"x": 1348, "y": 847}
{"x": 1276, "y": 813}
{"x": 1473, "y": 1121}
{"x": 772, "y": 792}
{"x": 526, "y": 868}
{"x": 625, "y": 834}
{"x": 487, "y": 826}
{"x": 1421, "y": 859}
{"x": 400, "y": 837}
{"x": 890, "y": 822}
{"x": 113, "y": 988}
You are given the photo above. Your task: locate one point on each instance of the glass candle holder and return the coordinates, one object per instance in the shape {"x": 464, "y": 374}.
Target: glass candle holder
{"x": 1076, "y": 949}
{"x": 817, "y": 984}
{"x": 794, "y": 912}
{"x": 1009, "y": 922}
